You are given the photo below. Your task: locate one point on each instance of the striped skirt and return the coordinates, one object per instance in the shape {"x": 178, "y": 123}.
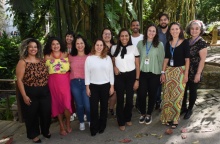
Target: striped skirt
{"x": 173, "y": 91}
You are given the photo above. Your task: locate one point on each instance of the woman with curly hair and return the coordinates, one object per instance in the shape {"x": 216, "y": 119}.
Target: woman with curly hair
{"x": 32, "y": 77}
{"x": 59, "y": 81}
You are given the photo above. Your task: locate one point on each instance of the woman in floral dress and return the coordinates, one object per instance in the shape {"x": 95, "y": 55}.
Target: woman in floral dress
{"x": 59, "y": 82}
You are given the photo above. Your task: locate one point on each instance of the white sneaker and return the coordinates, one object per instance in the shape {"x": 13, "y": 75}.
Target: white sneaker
{"x": 82, "y": 126}
{"x": 85, "y": 118}
{"x": 72, "y": 117}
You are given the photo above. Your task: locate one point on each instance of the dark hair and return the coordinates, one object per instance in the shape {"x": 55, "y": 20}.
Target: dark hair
{"x": 200, "y": 23}
{"x": 134, "y": 21}
{"x": 105, "y": 48}
{"x": 47, "y": 47}
{"x": 24, "y": 48}
{"x": 74, "y": 51}
{"x": 119, "y": 44}
{"x": 70, "y": 33}
{"x": 163, "y": 14}
{"x": 155, "y": 41}
{"x": 181, "y": 35}
{"x": 112, "y": 40}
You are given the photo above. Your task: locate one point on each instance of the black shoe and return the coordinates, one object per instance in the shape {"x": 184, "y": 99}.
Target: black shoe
{"x": 148, "y": 119}
{"x": 101, "y": 131}
{"x": 183, "y": 110}
{"x": 188, "y": 114}
{"x": 47, "y": 136}
{"x": 38, "y": 141}
{"x": 142, "y": 119}
{"x": 111, "y": 111}
{"x": 93, "y": 134}
{"x": 157, "y": 105}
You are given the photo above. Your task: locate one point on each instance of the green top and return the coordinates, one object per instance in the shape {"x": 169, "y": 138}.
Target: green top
{"x": 155, "y": 55}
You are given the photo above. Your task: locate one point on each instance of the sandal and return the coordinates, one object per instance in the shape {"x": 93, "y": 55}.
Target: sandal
{"x": 63, "y": 133}
{"x": 169, "y": 123}
{"x": 174, "y": 126}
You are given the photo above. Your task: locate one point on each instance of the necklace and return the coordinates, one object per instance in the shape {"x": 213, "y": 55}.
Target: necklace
{"x": 192, "y": 42}
{"x": 56, "y": 56}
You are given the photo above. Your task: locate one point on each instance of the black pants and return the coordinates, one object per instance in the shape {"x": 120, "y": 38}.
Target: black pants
{"x": 192, "y": 94}
{"x": 99, "y": 93}
{"x": 124, "y": 82}
{"x": 37, "y": 116}
{"x": 149, "y": 83}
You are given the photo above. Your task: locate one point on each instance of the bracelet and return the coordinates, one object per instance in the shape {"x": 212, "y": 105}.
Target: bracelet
{"x": 137, "y": 79}
{"x": 162, "y": 72}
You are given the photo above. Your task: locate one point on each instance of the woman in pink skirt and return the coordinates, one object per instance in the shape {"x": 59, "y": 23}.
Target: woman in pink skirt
{"x": 59, "y": 82}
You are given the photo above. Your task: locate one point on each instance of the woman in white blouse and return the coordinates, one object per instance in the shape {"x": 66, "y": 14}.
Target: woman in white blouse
{"x": 99, "y": 81}
{"x": 127, "y": 71}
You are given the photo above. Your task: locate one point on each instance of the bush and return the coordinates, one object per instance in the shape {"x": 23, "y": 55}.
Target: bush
{"x": 6, "y": 114}
{"x": 9, "y": 56}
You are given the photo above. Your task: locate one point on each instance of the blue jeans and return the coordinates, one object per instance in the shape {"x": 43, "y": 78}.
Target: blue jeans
{"x": 78, "y": 90}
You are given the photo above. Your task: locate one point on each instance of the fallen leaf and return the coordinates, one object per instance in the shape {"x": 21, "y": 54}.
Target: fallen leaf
{"x": 184, "y": 130}
{"x": 169, "y": 131}
{"x": 196, "y": 142}
{"x": 125, "y": 140}
{"x": 183, "y": 136}
{"x": 160, "y": 136}
{"x": 138, "y": 135}
{"x": 153, "y": 134}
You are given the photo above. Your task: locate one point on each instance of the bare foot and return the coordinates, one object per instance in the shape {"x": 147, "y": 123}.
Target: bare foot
{"x": 63, "y": 132}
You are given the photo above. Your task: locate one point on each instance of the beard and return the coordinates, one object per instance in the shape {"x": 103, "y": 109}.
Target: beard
{"x": 163, "y": 27}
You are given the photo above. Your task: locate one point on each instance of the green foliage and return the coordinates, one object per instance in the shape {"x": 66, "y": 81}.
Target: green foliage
{"x": 29, "y": 17}
{"x": 6, "y": 114}
{"x": 9, "y": 56}
{"x": 208, "y": 10}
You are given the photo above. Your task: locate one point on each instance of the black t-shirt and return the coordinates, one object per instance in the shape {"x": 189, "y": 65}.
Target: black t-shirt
{"x": 180, "y": 53}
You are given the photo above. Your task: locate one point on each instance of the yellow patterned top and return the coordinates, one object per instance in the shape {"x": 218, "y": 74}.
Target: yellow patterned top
{"x": 57, "y": 66}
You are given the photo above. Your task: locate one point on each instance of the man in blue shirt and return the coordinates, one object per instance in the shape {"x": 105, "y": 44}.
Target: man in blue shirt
{"x": 162, "y": 29}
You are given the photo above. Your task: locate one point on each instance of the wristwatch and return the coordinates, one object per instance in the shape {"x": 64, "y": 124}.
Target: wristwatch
{"x": 162, "y": 72}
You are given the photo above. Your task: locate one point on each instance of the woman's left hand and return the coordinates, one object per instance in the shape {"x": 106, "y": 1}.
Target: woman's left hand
{"x": 136, "y": 85}
{"x": 111, "y": 91}
{"x": 197, "y": 78}
{"x": 185, "y": 79}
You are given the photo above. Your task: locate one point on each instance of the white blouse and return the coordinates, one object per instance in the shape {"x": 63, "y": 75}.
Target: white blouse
{"x": 128, "y": 63}
{"x": 98, "y": 70}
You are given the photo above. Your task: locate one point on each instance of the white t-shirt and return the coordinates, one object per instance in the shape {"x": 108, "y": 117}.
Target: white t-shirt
{"x": 98, "y": 70}
{"x": 135, "y": 40}
{"x": 128, "y": 63}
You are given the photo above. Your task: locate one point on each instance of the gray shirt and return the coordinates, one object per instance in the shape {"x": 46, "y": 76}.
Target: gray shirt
{"x": 162, "y": 37}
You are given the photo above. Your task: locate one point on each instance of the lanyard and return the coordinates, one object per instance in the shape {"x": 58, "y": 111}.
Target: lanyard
{"x": 193, "y": 42}
{"x": 148, "y": 49}
{"x": 172, "y": 49}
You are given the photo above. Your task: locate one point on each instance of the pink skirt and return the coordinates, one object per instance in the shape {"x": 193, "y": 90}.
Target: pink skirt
{"x": 59, "y": 85}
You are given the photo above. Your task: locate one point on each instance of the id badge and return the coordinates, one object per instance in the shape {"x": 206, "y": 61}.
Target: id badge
{"x": 147, "y": 61}
{"x": 171, "y": 62}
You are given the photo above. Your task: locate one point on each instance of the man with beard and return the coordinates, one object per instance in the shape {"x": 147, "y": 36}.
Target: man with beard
{"x": 162, "y": 30}
{"x": 135, "y": 38}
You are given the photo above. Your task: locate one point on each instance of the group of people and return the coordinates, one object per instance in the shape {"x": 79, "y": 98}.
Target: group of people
{"x": 109, "y": 74}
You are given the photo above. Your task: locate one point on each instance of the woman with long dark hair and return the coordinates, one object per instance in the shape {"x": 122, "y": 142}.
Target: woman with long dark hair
{"x": 151, "y": 60}
{"x": 174, "y": 74}
{"x": 77, "y": 59}
{"x": 59, "y": 81}
{"x": 127, "y": 71}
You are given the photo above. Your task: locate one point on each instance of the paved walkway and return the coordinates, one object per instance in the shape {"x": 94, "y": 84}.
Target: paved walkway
{"x": 202, "y": 128}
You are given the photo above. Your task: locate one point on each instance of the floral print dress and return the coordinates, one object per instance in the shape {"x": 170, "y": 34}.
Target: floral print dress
{"x": 59, "y": 84}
